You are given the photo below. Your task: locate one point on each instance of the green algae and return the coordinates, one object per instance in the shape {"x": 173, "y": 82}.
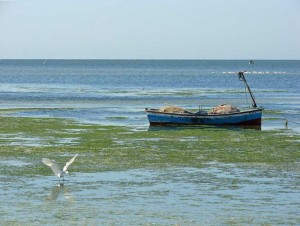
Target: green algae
{"x": 103, "y": 148}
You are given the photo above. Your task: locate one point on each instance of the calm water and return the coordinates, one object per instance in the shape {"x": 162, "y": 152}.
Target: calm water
{"x": 215, "y": 195}
{"x": 118, "y": 91}
{"x": 115, "y": 92}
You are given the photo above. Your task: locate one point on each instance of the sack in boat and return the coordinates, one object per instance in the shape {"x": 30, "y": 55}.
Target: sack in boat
{"x": 172, "y": 109}
{"x": 224, "y": 109}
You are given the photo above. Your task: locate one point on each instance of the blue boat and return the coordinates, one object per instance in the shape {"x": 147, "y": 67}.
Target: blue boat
{"x": 218, "y": 116}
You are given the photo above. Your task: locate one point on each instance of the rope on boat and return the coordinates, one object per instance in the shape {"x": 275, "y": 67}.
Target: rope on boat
{"x": 242, "y": 78}
{"x": 246, "y": 95}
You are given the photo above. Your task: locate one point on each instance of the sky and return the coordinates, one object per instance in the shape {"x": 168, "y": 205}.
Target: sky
{"x": 150, "y": 29}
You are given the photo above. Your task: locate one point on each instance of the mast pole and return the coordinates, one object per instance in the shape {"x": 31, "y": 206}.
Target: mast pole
{"x": 242, "y": 78}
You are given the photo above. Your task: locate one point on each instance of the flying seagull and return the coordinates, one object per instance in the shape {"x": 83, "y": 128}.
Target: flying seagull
{"x": 55, "y": 168}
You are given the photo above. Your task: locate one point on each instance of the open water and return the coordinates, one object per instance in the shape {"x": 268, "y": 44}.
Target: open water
{"x": 115, "y": 92}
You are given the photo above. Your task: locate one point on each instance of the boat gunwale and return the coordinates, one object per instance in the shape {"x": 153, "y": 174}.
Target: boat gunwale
{"x": 156, "y": 111}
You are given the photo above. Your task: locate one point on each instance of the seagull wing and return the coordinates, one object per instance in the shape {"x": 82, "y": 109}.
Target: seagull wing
{"x": 54, "y": 166}
{"x": 69, "y": 163}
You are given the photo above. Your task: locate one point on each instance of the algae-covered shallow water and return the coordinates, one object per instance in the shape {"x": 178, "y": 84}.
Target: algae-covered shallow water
{"x": 123, "y": 176}
{"x": 128, "y": 173}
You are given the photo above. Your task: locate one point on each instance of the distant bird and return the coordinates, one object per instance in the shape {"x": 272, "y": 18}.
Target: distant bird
{"x": 55, "y": 168}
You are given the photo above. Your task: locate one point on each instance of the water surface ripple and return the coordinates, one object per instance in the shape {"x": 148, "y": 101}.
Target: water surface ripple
{"x": 216, "y": 194}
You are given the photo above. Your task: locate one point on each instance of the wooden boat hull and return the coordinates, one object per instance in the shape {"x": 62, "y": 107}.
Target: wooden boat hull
{"x": 247, "y": 117}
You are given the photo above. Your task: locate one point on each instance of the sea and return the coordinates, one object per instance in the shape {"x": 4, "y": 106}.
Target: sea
{"x": 116, "y": 92}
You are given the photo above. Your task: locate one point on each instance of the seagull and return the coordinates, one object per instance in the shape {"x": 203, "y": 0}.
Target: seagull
{"x": 55, "y": 168}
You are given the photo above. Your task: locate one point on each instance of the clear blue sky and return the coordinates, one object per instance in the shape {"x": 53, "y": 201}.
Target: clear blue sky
{"x": 150, "y": 29}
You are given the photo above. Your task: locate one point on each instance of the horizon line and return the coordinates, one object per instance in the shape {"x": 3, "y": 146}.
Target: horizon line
{"x": 140, "y": 59}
